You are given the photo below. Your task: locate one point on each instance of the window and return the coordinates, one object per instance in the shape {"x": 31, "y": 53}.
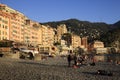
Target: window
{"x": 5, "y": 37}
{"x": 3, "y": 32}
{"x": 0, "y": 19}
{"x": 14, "y": 31}
{"x": 2, "y": 38}
{"x": 5, "y": 27}
{"x": 4, "y": 21}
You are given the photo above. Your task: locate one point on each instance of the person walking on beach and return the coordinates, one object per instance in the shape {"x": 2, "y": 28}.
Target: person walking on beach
{"x": 75, "y": 60}
{"x": 69, "y": 59}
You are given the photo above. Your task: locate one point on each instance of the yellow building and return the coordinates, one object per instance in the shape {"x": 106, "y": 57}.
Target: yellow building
{"x": 32, "y": 33}
{"x": 76, "y": 41}
{"x": 47, "y": 35}
{"x": 17, "y": 27}
{"x": 13, "y": 21}
{"x": 84, "y": 42}
{"x": 97, "y": 47}
{"x": 98, "y": 44}
{"x": 4, "y": 25}
{"x": 61, "y": 29}
{"x": 17, "y": 24}
{"x": 47, "y": 39}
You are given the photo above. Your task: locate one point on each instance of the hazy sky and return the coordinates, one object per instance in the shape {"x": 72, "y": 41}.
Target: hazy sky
{"x": 56, "y": 10}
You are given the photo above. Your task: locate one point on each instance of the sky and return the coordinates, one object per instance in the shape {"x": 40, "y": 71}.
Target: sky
{"x": 107, "y": 11}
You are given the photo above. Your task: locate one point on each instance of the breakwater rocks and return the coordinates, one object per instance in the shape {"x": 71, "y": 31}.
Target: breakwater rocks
{"x": 54, "y": 69}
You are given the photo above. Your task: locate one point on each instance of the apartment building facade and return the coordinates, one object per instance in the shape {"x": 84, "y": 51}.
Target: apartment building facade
{"x": 61, "y": 29}
{"x": 97, "y": 47}
{"x": 47, "y": 39}
{"x": 14, "y": 21}
{"x": 32, "y": 33}
{"x": 97, "y": 44}
{"x": 16, "y": 27}
{"x": 47, "y": 35}
{"x": 4, "y": 25}
{"x": 76, "y": 41}
{"x": 84, "y": 42}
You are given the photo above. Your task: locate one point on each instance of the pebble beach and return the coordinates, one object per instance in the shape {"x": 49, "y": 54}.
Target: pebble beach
{"x": 54, "y": 69}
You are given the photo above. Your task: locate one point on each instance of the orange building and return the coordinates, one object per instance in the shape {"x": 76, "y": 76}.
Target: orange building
{"x": 32, "y": 32}
{"x": 84, "y": 42}
{"x": 47, "y": 35}
{"x": 15, "y": 26}
{"x": 12, "y": 21}
{"x": 4, "y": 25}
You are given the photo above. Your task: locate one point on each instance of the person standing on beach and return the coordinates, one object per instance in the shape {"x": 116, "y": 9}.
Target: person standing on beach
{"x": 75, "y": 60}
{"x": 69, "y": 59}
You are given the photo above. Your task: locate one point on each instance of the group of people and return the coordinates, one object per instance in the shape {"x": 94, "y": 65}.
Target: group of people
{"x": 78, "y": 60}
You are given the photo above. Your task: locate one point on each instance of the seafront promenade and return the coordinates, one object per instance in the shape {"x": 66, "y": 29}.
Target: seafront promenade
{"x": 54, "y": 69}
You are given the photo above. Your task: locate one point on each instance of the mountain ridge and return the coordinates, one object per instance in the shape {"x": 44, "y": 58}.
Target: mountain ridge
{"x": 93, "y": 30}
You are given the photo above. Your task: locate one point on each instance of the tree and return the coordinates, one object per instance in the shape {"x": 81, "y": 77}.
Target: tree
{"x": 79, "y": 51}
{"x": 56, "y": 43}
{"x": 67, "y": 37}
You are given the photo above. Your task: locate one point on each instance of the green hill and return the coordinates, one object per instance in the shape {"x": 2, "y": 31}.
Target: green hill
{"x": 83, "y": 28}
{"x": 108, "y": 33}
{"x": 112, "y": 36}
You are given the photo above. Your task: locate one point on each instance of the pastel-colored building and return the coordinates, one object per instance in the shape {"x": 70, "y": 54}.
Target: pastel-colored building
{"x": 47, "y": 40}
{"x": 47, "y": 35}
{"x": 14, "y": 20}
{"x": 61, "y": 29}
{"x": 16, "y": 27}
{"x": 97, "y": 47}
{"x": 84, "y": 42}
{"x": 4, "y": 25}
{"x": 97, "y": 44}
{"x": 32, "y": 33}
{"x": 76, "y": 41}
